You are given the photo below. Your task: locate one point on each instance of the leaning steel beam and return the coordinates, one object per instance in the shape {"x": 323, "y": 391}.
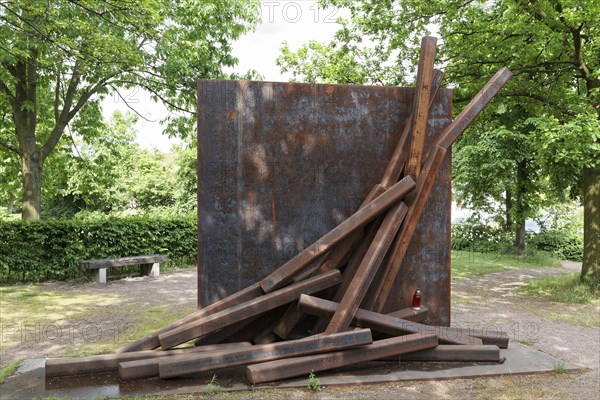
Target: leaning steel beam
{"x": 248, "y": 309}
{"x": 284, "y": 273}
{"x": 386, "y": 324}
{"x": 420, "y": 111}
{"x": 290, "y": 367}
{"x": 151, "y": 341}
{"x": 340, "y": 253}
{"x": 110, "y": 362}
{"x": 416, "y": 203}
{"x": 335, "y": 259}
{"x": 478, "y": 103}
{"x": 369, "y": 265}
{"x": 400, "y": 156}
{"x": 178, "y": 366}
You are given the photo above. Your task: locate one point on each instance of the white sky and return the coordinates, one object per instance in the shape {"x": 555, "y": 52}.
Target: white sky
{"x": 296, "y": 22}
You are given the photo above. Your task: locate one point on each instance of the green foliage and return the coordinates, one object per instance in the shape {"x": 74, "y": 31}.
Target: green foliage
{"x": 313, "y": 383}
{"x": 564, "y": 289}
{"x": 561, "y": 244}
{"x": 479, "y": 237}
{"x": 212, "y": 385}
{"x": 528, "y": 148}
{"x": 59, "y": 60}
{"x": 53, "y": 248}
{"x": 560, "y": 368}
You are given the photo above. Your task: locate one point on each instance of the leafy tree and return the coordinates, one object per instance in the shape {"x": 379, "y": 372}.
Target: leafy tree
{"x": 551, "y": 106}
{"x": 59, "y": 59}
{"x": 186, "y": 159}
{"x": 107, "y": 171}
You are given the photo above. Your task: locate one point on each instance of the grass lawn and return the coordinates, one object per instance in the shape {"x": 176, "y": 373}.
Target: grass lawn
{"x": 580, "y": 303}
{"x": 88, "y": 323}
{"x": 467, "y": 264}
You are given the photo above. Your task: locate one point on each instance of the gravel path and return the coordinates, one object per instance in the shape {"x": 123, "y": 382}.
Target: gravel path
{"x": 489, "y": 300}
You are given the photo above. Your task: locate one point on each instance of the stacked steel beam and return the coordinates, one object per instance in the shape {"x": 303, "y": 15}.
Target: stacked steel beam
{"x": 264, "y": 326}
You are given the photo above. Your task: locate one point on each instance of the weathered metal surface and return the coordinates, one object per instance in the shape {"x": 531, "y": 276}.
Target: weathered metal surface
{"x": 449, "y": 352}
{"x": 248, "y": 309}
{"x": 410, "y": 314}
{"x": 66, "y": 366}
{"x": 478, "y": 103}
{"x": 386, "y": 324}
{"x": 356, "y": 221}
{"x": 280, "y": 164}
{"x": 290, "y": 367}
{"x": 416, "y": 203}
{"x": 177, "y": 366}
{"x": 420, "y": 110}
{"x": 369, "y": 265}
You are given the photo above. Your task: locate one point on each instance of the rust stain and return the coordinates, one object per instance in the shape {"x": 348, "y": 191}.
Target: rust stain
{"x": 274, "y": 219}
{"x": 233, "y": 114}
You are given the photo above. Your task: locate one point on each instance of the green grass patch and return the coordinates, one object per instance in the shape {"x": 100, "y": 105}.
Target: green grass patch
{"x": 141, "y": 323}
{"x": 468, "y": 264}
{"x": 562, "y": 289}
{"x": 9, "y": 370}
{"x": 580, "y": 303}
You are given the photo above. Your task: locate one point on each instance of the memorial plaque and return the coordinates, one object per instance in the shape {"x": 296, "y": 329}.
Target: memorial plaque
{"x": 281, "y": 164}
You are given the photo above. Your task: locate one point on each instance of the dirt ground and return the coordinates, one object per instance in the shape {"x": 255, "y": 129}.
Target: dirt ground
{"x": 484, "y": 301}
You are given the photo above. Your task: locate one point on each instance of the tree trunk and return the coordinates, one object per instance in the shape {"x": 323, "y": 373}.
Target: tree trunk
{"x": 520, "y": 206}
{"x": 590, "y": 271}
{"x": 31, "y": 171}
{"x": 520, "y": 236}
{"x": 11, "y": 203}
{"x": 509, "y": 205}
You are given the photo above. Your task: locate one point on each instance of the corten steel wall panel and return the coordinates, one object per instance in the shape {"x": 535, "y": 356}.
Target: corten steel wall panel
{"x": 280, "y": 164}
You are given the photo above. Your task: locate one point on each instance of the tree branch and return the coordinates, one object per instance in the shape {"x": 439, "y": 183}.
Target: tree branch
{"x": 10, "y": 146}
{"x": 6, "y": 90}
{"x": 128, "y": 106}
{"x": 542, "y": 99}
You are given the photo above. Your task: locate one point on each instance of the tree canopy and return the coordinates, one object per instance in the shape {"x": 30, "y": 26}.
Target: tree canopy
{"x": 539, "y": 137}
{"x": 59, "y": 59}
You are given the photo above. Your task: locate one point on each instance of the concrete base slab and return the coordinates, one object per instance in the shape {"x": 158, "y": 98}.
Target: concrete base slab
{"x": 29, "y": 382}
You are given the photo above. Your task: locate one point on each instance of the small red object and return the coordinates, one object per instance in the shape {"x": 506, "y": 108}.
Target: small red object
{"x": 416, "y": 303}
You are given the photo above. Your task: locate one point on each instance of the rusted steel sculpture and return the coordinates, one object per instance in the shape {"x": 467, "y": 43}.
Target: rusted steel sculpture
{"x": 344, "y": 279}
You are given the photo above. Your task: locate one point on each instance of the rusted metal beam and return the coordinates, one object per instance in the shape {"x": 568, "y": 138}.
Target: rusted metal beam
{"x": 400, "y": 156}
{"x": 449, "y": 352}
{"x": 178, "y": 366}
{"x": 359, "y": 285}
{"x": 350, "y": 271}
{"x": 151, "y": 342}
{"x": 335, "y": 259}
{"x": 110, "y": 362}
{"x": 298, "y": 366}
{"x": 410, "y": 314}
{"x": 340, "y": 253}
{"x": 416, "y": 202}
{"x": 420, "y": 111}
{"x": 284, "y": 273}
{"x": 249, "y": 309}
{"x": 386, "y": 324}
{"x": 478, "y": 103}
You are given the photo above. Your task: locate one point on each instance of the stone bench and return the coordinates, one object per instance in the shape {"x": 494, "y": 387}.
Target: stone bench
{"x": 149, "y": 265}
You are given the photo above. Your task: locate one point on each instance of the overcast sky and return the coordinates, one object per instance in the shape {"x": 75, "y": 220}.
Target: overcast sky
{"x": 296, "y": 22}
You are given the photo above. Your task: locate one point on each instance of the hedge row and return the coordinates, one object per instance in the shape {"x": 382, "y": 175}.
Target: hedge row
{"x": 482, "y": 238}
{"x": 52, "y": 249}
